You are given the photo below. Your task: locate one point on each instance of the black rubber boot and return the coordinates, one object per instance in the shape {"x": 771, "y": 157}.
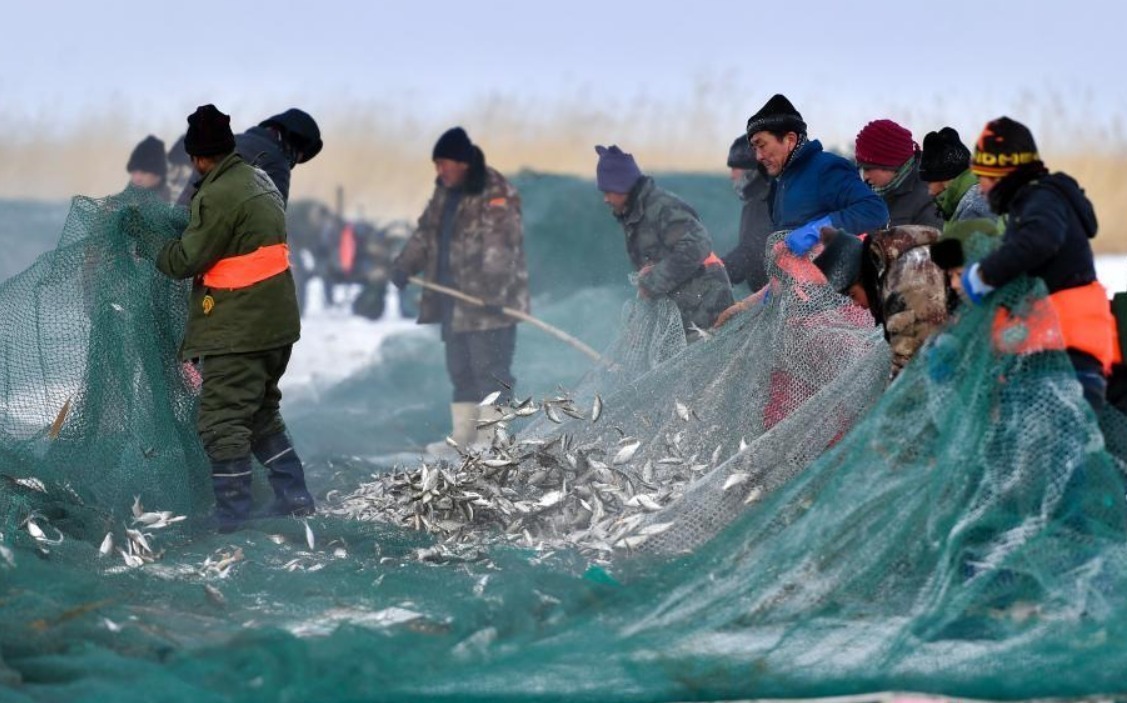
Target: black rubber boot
{"x": 231, "y": 482}
{"x": 287, "y": 477}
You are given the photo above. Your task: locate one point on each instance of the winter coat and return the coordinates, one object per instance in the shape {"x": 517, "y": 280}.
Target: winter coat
{"x": 909, "y": 203}
{"x": 664, "y": 233}
{"x": 486, "y": 252}
{"x": 236, "y": 211}
{"x": 816, "y": 184}
{"x": 962, "y": 199}
{"x": 1050, "y": 222}
{"x": 261, "y": 147}
{"x": 747, "y": 260}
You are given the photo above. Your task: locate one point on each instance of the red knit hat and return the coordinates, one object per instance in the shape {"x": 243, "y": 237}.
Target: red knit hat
{"x": 885, "y": 144}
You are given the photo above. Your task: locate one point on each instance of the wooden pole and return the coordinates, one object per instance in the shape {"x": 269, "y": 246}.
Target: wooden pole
{"x": 523, "y": 316}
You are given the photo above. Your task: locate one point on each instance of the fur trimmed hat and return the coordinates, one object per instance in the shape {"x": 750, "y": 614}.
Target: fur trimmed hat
{"x": 944, "y": 156}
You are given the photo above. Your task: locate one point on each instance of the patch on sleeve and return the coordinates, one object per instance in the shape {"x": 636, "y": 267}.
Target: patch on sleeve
{"x": 498, "y": 202}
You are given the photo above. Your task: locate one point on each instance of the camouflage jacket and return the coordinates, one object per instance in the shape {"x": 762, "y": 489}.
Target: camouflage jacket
{"x": 486, "y": 253}
{"x": 908, "y": 291}
{"x": 664, "y": 233}
{"x": 236, "y": 211}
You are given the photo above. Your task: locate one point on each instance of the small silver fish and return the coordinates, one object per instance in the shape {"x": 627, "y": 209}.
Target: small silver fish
{"x": 626, "y": 453}
{"x": 681, "y": 409}
{"x": 735, "y": 479}
{"x": 309, "y": 539}
{"x": 214, "y": 595}
{"x": 490, "y": 399}
{"x": 107, "y": 545}
{"x": 597, "y": 408}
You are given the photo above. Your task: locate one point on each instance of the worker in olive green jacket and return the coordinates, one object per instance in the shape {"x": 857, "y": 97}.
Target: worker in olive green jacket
{"x": 242, "y": 320}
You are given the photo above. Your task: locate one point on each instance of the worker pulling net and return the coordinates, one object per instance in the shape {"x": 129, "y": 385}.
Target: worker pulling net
{"x": 961, "y": 530}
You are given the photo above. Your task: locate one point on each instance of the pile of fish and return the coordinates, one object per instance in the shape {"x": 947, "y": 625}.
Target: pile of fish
{"x": 597, "y": 492}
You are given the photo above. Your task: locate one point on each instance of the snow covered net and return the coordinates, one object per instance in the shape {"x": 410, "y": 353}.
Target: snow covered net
{"x": 806, "y": 529}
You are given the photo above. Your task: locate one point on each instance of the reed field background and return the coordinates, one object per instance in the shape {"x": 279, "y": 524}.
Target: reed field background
{"x": 378, "y": 152}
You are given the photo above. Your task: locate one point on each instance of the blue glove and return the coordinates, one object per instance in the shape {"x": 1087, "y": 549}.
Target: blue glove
{"x": 974, "y": 287}
{"x": 803, "y": 239}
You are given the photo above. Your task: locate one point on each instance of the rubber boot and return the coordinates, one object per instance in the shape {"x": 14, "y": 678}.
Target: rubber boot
{"x": 287, "y": 477}
{"x": 483, "y": 438}
{"x": 463, "y": 422}
{"x": 230, "y": 480}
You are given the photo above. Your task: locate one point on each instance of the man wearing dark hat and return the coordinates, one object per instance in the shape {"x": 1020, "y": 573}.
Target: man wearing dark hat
{"x": 148, "y": 167}
{"x": 276, "y": 145}
{"x": 470, "y": 238}
{"x": 810, "y": 188}
{"x": 1049, "y": 221}
{"x": 746, "y": 261}
{"x": 667, "y": 243}
{"x": 889, "y": 160}
{"x": 945, "y": 167}
{"x": 242, "y": 320}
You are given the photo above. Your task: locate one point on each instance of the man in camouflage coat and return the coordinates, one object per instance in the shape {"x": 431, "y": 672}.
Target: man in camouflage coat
{"x": 470, "y": 238}
{"x": 242, "y": 320}
{"x": 666, "y": 241}
{"x": 890, "y": 272}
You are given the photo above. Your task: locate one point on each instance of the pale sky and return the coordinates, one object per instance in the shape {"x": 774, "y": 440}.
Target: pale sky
{"x": 1063, "y": 60}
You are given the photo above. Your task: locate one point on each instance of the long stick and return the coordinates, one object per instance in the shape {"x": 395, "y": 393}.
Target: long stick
{"x": 554, "y": 331}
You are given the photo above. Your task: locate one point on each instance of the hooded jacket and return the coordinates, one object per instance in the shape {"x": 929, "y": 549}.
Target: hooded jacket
{"x": 1050, "y": 222}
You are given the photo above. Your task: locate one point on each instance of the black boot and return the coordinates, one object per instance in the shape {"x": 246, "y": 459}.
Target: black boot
{"x": 287, "y": 477}
{"x": 230, "y": 480}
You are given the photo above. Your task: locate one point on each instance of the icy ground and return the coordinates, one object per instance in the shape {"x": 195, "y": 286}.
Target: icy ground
{"x": 336, "y": 344}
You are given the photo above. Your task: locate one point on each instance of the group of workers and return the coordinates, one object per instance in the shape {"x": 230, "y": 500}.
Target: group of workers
{"x": 853, "y": 219}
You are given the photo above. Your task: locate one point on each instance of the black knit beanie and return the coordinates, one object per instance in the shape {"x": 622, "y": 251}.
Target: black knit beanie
{"x": 455, "y": 145}
{"x": 740, "y": 154}
{"x": 148, "y": 156}
{"x": 209, "y": 132}
{"x": 944, "y": 156}
{"x": 778, "y": 115}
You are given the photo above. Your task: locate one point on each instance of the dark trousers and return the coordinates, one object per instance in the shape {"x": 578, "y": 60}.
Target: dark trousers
{"x": 480, "y": 363}
{"x": 240, "y": 401}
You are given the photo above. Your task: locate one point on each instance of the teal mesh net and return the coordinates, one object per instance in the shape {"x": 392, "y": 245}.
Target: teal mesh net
{"x": 809, "y": 529}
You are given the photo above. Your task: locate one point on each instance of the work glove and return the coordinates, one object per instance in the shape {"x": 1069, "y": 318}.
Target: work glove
{"x": 802, "y": 239}
{"x": 399, "y": 278}
{"x": 492, "y": 309}
{"x": 974, "y": 287}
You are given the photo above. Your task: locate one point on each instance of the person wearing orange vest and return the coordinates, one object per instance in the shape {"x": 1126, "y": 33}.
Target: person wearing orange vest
{"x": 666, "y": 241}
{"x": 1049, "y": 221}
{"x": 242, "y": 320}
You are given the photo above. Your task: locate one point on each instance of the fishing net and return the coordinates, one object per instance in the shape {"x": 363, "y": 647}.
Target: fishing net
{"x": 758, "y": 514}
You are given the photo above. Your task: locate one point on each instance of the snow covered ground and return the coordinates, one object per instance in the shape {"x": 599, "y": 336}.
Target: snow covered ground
{"x": 336, "y": 344}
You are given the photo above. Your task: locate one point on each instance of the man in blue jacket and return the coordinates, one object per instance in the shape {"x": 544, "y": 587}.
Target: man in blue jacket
{"x": 810, "y": 188}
